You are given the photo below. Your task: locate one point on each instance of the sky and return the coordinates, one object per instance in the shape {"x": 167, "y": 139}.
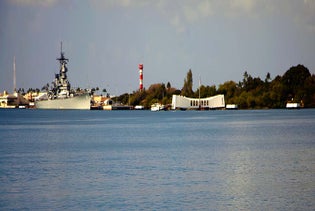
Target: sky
{"x": 105, "y": 40}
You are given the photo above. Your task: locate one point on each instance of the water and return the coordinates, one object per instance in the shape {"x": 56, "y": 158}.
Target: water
{"x": 142, "y": 160}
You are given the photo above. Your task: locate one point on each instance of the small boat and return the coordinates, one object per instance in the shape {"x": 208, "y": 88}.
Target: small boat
{"x": 139, "y": 107}
{"x": 293, "y": 105}
{"x": 157, "y": 107}
{"x": 231, "y": 106}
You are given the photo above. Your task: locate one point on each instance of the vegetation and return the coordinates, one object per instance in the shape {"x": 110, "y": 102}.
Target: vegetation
{"x": 296, "y": 85}
{"x": 157, "y": 93}
{"x": 188, "y": 84}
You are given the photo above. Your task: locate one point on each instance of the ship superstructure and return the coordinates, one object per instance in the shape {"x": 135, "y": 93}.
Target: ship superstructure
{"x": 61, "y": 85}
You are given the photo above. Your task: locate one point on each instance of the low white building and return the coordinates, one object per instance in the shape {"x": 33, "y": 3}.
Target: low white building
{"x": 182, "y": 102}
{"x": 14, "y": 100}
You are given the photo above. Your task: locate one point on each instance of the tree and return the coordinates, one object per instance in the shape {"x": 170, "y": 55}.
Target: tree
{"x": 188, "y": 84}
{"x": 309, "y": 99}
{"x": 268, "y": 78}
{"x": 104, "y": 91}
{"x": 138, "y": 97}
{"x": 206, "y": 91}
{"x": 251, "y": 92}
{"x": 294, "y": 82}
{"x": 92, "y": 91}
{"x": 229, "y": 89}
{"x": 168, "y": 85}
{"x": 124, "y": 98}
{"x": 157, "y": 91}
{"x": 21, "y": 90}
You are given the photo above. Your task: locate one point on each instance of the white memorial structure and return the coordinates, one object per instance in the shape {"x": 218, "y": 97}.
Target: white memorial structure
{"x": 182, "y": 102}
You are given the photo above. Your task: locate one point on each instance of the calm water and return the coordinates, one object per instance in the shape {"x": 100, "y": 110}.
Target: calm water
{"x": 142, "y": 160}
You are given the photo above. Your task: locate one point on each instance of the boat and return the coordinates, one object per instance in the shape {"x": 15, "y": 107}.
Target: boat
{"x": 139, "y": 107}
{"x": 157, "y": 107}
{"x": 231, "y": 106}
{"x": 293, "y": 105}
{"x": 61, "y": 96}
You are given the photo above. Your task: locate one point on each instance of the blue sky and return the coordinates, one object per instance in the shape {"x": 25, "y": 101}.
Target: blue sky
{"x": 105, "y": 41}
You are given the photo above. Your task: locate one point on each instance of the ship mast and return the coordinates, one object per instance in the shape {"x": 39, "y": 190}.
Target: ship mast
{"x": 199, "y": 90}
{"x": 62, "y": 58}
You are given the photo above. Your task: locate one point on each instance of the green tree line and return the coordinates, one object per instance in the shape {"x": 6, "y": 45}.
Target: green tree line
{"x": 295, "y": 85}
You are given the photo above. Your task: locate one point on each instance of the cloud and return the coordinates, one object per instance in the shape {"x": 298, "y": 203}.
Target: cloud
{"x": 300, "y": 13}
{"x": 309, "y": 14}
{"x": 181, "y": 13}
{"x": 177, "y": 22}
{"x": 243, "y": 5}
{"x": 195, "y": 12}
{"x": 43, "y": 3}
{"x": 190, "y": 12}
{"x": 109, "y": 4}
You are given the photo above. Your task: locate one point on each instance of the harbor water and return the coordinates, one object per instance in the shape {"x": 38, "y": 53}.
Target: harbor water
{"x": 170, "y": 160}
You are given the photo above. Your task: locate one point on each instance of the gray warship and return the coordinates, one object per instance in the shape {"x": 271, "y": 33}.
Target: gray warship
{"x": 61, "y": 96}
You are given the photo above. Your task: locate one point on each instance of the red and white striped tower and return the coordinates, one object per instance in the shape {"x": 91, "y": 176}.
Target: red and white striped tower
{"x": 140, "y": 77}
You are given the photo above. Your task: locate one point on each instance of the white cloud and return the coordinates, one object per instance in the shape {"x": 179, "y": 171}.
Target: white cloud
{"x": 242, "y": 5}
{"x": 298, "y": 12}
{"x": 44, "y": 3}
{"x": 108, "y": 4}
{"x": 196, "y": 11}
{"x": 181, "y": 13}
{"x": 176, "y": 21}
{"x": 309, "y": 14}
{"x": 205, "y": 8}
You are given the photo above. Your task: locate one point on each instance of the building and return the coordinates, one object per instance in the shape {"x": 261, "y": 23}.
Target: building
{"x": 15, "y": 100}
{"x": 182, "y": 102}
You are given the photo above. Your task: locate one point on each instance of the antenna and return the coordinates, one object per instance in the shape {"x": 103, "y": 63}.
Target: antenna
{"x": 14, "y": 75}
{"x": 199, "y": 89}
{"x": 62, "y": 57}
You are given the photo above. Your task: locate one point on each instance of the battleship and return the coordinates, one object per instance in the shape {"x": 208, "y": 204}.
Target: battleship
{"x": 61, "y": 96}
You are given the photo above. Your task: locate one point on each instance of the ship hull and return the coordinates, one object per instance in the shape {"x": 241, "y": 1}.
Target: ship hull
{"x": 81, "y": 102}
